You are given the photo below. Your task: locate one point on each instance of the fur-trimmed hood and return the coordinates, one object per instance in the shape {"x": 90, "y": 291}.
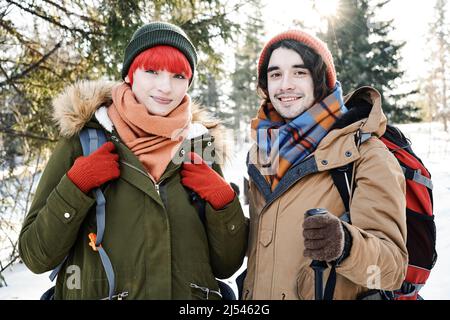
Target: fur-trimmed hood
{"x": 80, "y": 102}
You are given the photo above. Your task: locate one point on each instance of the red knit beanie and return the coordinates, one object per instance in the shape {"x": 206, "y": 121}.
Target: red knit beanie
{"x": 309, "y": 40}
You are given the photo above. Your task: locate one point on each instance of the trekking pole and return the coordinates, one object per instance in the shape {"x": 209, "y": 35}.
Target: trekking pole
{"x": 316, "y": 265}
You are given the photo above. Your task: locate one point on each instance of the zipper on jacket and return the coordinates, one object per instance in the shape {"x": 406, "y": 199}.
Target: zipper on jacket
{"x": 113, "y": 137}
{"x": 135, "y": 168}
{"x": 119, "y": 296}
{"x": 157, "y": 185}
{"x": 206, "y": 290}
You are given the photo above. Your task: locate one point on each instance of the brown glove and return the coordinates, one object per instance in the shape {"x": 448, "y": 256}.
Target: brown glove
{"x": 325, "y": 238}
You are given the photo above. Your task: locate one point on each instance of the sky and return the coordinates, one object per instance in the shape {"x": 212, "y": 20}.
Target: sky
{"x": 410, "y": 19}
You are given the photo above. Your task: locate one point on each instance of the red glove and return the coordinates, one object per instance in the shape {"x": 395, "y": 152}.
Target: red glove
{"x": 95, "y": 169}
{"x": 207, "y": 183}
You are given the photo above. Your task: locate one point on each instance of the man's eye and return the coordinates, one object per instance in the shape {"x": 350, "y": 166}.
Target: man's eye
{"x": 274, "y": 75}
{"x": 300, "y": 72}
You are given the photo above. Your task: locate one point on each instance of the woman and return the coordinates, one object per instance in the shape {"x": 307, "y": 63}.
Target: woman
{"x": 158, "y": 246}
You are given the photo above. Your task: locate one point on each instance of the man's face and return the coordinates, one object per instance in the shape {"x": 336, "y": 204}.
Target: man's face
{"x": 289, "y": 83}
{"x": 160, "y": 91}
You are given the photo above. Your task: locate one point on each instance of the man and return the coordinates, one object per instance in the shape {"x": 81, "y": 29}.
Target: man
{"x": 304, "y": 128}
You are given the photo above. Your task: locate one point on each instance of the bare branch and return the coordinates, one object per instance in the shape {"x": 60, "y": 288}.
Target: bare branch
{"x": 25, "y": 134}
{"x": 18, "y": 36}
{"x": 10, "y": 263}
{"x": 53, "y": 21}
{"x": 69, "y": 13}
{"x": 32, "y": 67}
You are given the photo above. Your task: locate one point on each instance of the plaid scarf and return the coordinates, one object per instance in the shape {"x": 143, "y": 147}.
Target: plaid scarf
{"x": 286, "y": 144}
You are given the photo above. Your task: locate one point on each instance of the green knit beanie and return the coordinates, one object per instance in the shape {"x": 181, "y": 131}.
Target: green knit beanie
{"x": 156, "y": 34}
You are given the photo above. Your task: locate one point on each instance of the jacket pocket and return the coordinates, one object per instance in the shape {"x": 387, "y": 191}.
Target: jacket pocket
{"x": 305, "y": 284}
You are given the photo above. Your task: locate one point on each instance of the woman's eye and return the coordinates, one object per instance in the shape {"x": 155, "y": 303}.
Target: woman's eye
{"x": 180, "y": 76}
{"x": 151, "y": 71}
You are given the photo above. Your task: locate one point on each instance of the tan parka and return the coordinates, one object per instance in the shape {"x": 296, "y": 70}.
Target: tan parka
{"x": 378, "y": 257}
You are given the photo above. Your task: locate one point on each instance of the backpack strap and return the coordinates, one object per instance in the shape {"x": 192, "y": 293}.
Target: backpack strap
{"x": 91, "y": 140}
{"x": 343, "y": 179}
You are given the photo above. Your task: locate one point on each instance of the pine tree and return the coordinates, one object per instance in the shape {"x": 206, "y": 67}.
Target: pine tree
{"x": 436, "y": 88}
{"x": 207, "y": 92}
{"x": 46, "y": 45}
{"x": 365, "y": 55}
{"x": 81, "y": 40}
{"x": 244, "y": 78}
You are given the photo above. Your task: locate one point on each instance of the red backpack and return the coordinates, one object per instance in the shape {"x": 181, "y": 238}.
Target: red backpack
{"x": 421, "y": 229}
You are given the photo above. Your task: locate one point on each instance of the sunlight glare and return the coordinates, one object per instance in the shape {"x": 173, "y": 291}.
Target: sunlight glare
{"x": 326, "y": 8}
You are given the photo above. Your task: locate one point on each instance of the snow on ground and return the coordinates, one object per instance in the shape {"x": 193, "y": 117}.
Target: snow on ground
{"x": 23, "y": 284}
{"x": 430, "y": 143}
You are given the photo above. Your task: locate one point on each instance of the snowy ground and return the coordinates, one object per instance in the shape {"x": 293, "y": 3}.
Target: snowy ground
{"x": 429, "y": 142}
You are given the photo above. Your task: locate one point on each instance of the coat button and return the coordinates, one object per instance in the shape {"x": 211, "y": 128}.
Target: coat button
{"x": 66, "y": 215}
{"x": 232, "y": 227}
{"x": 348, "y": 154}
{"x": 209, "y": 143}
{"x": 324, "y": 162}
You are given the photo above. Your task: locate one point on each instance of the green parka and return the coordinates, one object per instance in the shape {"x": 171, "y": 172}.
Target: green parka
{"x": 158, "y": 246}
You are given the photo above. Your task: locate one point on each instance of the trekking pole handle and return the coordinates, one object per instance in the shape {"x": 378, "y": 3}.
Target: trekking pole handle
{"x": 316, "y": 265}
{"x": 315, "y": 212}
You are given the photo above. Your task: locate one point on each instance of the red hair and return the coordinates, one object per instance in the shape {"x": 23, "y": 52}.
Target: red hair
{"x": 161, "y": 58}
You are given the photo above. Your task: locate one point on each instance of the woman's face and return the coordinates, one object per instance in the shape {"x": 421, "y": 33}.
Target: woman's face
{"x": 159, "y": 91}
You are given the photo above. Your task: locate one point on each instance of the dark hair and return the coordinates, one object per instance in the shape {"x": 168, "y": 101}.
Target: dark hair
{"x": 313, "y": 62}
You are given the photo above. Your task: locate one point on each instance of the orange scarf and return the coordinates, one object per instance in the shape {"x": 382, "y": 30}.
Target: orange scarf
{"x": 153, "y": 139}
